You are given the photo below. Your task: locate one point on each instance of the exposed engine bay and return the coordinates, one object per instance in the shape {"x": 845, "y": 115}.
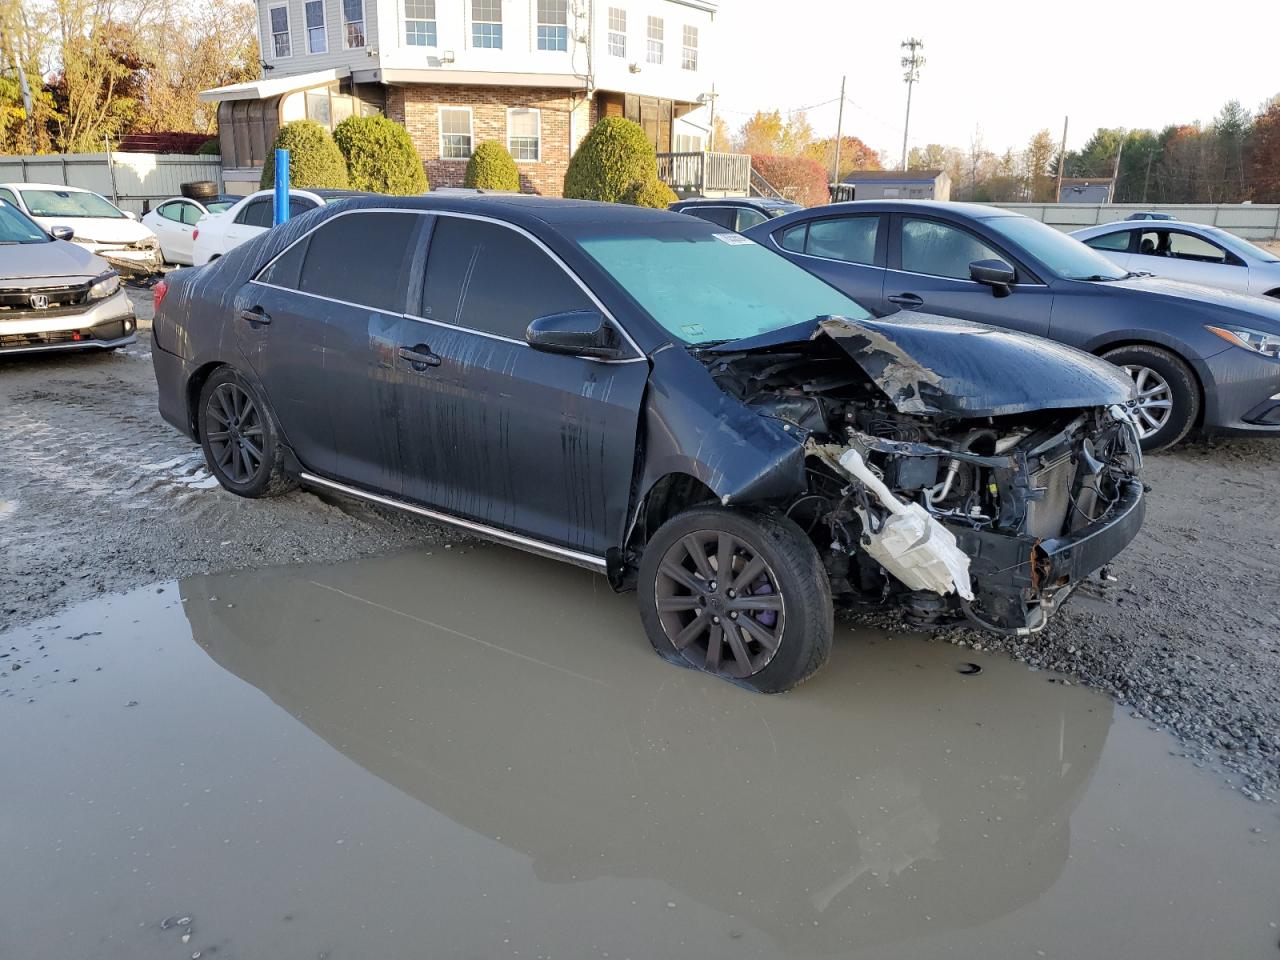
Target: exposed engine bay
{"x": 952, "y": 506}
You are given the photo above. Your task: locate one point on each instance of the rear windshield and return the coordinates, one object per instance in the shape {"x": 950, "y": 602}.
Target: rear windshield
{"x": 220, "y": 206}
{"x": 1241, "y": 247}
{"x": 705, "y": 285}
{"x": 68, "y": 203}
{"x": 15, "y": 227}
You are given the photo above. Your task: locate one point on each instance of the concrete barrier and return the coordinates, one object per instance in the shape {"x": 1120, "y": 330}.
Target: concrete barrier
{"x": 1259, "y": 221}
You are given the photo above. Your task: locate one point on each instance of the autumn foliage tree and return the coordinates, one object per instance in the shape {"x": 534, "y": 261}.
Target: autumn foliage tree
{"x": 1264, "y": 154}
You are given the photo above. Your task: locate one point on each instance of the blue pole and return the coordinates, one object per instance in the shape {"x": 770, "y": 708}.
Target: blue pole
{"x": 282, "y": 187}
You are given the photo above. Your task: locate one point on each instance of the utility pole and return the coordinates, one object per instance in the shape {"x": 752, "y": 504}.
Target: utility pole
{"x": 711, "y": 138}
{"x": 835, "y": 173}
{"x": 1146, "y": 181}
{"x": 1062, "y": 159}
{"x": 912, "y": 64}
{"x": 1115, "y": 171}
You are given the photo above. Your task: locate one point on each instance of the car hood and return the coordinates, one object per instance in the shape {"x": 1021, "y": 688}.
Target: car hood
{"x": 1213, "y": 297}
{"x": 23, "y": 264}
{"x": 928, "y": 364}
{"x": 100, "y": 229}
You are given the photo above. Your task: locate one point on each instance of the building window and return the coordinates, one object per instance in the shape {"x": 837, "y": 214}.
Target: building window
{"x": 486, "y": 24}
{"x": 654, "y": 51}
{"x": 688, "y": 143}
{"x": 524, "y": 133}
{"x": 353, "y": 17}
{"x": 689, "y": 55}
{"x": 553, "y": 24}
{"x": 281, "y": 46}
{"x": 617, "y": 32}
{"x": 420, "y": 23}
{"x": 316, "y": 40}
{"x": 455, "y": 133}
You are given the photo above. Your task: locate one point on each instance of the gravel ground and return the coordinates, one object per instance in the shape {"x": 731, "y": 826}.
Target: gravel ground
{"x": 98, "y": 494}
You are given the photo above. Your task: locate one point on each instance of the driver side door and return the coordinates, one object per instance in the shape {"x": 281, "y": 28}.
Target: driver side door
{"x": 929, "y": 271}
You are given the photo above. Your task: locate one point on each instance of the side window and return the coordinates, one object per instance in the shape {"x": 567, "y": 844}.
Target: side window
{"x": 1185, "y": 246}
{"x": 256, "y": 213}
{"x": 490, "y": 278}
{"x": 299, "y": 205}
{"x": 720, "y": 216}
{"x": 7, "y": 196}
{"x": 286, "y": 269}
{"x": 939, "y": 250}
{"x": 171, "y": 211}
{"x": 191, "y": 213}
{"x": 748, "y": 218}
{"x": 852, "y": 239}
{"x": 358, "y": 258}
{"x": 1116, "y": 242}
{"x": 793, "y": 238}
{"x": 1149, "y": 243}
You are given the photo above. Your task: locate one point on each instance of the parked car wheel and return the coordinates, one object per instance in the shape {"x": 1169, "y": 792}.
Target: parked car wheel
{"x": 240, "y": 438}
{"x": 1168, "y": 395}
{"x": 740, "y": 595}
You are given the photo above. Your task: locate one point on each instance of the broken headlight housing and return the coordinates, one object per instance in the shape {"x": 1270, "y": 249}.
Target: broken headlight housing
{"x": 105, "y": 286}
{"x": 1268, "y": 344}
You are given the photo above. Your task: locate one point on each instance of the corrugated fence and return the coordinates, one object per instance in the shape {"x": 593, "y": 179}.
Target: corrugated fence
{"x": 1253, "y": 221}
{"x": 130, "y": 177}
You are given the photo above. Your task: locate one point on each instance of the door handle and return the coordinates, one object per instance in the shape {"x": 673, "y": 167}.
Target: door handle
{"x": 907, "y": 300}
{"x": 419, "y": 356}
{"x": 255, "y": 315}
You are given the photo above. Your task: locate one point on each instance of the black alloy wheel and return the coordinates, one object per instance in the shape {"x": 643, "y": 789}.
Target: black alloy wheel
{"x": 233, "y": 427}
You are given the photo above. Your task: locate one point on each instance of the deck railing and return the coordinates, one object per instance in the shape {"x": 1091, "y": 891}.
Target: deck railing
{"x": 701, "y": 172}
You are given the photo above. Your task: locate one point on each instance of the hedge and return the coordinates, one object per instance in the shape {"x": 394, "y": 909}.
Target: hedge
{"x": 210, "y": 148}
{"x": 799, "y": 179}
{"x": 491, "y": 167}
{"x": 380, "y": 156}
{"x": 611, "y": 158}
{"x": 314, "y": 159}
{"x": 650, "y": 193}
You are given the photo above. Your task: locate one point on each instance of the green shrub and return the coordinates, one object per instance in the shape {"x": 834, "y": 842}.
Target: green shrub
{"x": 612, "y": 157}
{"x": 492, "y": 168}
{"x": 314, "y": 159}
{"x": 210, "y": 148}
{"x": 380, "y": 156}
{"x": 650, "y": 193}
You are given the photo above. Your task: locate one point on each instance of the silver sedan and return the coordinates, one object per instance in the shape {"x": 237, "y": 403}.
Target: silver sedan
{"x": 1191, "y": 252}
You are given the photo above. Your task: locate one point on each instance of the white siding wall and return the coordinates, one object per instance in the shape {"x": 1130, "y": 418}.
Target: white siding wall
{"x": 667, "y": 79}
{"x": 337, "y": 55}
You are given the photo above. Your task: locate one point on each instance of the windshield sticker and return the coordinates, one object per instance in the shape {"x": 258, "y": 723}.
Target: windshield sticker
{"x": 693, "y": 329}
{"x": 733, "y": 239}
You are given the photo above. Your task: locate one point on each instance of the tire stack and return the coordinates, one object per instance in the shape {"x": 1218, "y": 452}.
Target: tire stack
{"x": 199, "y": 190}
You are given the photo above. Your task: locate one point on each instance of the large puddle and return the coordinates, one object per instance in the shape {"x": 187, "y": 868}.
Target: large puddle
{"x": 476, "y": 754}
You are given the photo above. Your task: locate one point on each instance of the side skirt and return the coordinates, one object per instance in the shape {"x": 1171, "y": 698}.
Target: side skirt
{"x": 542, "y": 549}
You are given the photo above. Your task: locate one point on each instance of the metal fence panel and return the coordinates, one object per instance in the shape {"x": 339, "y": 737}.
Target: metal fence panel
{"x": 1253, "y": 221}
{"x": 131, "y": 177}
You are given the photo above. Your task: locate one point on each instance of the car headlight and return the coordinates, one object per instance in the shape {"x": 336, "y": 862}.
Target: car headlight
{"x": 1267, "y": 344}
{"x": 105, "y": 286}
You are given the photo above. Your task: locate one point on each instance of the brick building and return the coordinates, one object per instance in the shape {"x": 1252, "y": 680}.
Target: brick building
{"x": 533, "y": 75}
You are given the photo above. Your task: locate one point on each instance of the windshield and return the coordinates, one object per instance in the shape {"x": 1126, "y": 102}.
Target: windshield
{"x": 15, "y": 227}
{"x": 1242, "y": 248}
{"x": 69, "y": 203}
{"x": 220, "y": 206}
{"x": 1066, "y": 256}
{"x": 704, "y": 286}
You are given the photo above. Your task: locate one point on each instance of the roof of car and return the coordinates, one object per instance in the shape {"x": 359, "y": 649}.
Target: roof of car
{"x": 760, "y": 202}
{"x": 47, "y": 186}
{"x": 1116, "y": 225}
{"x": 974, "y": 211}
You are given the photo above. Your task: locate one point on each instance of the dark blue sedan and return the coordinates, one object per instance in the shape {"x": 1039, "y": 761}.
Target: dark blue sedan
{"x": 1199, "y": 358}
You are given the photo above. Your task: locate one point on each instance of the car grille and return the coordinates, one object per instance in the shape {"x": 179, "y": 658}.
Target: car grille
{"x": 62, "y": 300}
{"x": 53, "y": 338}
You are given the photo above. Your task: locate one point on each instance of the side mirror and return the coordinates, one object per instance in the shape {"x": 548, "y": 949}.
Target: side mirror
{"x": 130, "y": 214}
{"x": 578, "y": 333}
{"x": 996, "y": 274}
{"x": 61, "y": 233}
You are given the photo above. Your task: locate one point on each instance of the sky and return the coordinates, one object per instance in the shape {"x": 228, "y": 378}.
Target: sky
{"x": 1008, "y": 69}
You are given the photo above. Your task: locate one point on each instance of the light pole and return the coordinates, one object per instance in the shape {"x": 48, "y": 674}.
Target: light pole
{"x": 911, "y": 63}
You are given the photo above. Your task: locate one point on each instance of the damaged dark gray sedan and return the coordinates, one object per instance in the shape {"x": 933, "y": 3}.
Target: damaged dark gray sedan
{"x": 646, "y": 395}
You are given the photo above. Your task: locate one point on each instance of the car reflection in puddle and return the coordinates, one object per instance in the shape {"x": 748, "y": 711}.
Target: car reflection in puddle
{"x": 890, "y": 797}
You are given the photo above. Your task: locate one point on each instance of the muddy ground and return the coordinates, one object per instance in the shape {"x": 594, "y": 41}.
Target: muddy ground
{"x": 98, "y": 495}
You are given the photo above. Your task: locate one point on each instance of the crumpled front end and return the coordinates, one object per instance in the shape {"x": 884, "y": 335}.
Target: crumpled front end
{"x": 139, "y": 258}
{"x": 991, "y": 504}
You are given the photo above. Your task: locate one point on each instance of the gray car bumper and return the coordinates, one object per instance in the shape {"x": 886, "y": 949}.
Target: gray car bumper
{"x": 106, "y": 324}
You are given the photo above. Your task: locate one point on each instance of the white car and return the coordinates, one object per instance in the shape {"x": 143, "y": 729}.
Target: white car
{"x": 173, "y": 222}
{"x": 219, "y": 233}
{"x": 98, "y": 224}
{"x": 1191, "y": 252}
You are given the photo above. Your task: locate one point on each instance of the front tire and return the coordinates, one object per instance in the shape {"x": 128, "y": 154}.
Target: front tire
{"x": 1168, "y": 395}
{"x": 240, "y": 438}
{"x": 767, "y": 625}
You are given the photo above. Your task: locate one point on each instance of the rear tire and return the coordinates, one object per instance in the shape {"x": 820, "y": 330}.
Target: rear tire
{"x": 199, "y": 189}
{"x": 1169, "y": 397}
{"x": 768, "y": 626}
{"x": 240, "y": 438}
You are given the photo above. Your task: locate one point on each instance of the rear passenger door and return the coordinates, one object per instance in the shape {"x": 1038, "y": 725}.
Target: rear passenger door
{"x": 321, "y": 332}
{"x": 846, "y": 251}
{"x": 497, "y": 432}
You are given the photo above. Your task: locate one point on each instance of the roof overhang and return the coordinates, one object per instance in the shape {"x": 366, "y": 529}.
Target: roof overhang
{"x": 481, "y": 78}
{"x": 274, "y": 86}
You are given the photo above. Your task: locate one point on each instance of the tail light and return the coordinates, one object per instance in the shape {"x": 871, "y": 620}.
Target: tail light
{"x": 158, "y": 292}
{"x": 195, "y": 234}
